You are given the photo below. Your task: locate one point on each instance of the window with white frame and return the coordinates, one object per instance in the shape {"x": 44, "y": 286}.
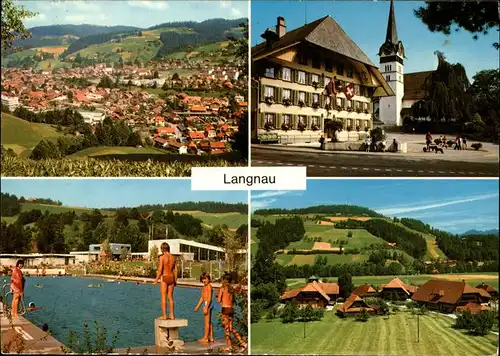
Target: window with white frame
{"x": 359, "y": 105}
{"x": 269, "y": 72}
{"x": 327, "y": 80}
{"x": 302, "y": 96}
{"x": 315, "y": 78}
{"x": 349, "y": 103}
{"x": 387, "y": 77}
{"x": 315, "y": 98}
{"x": 357, "y": 89}
{"x": 287, "y": 93}
{"x": 269, "y": 119}
{"x": 328, "y": 100}
{"x": 302, "y": 120}
{"x": 365, "y": 106}
{"x": 301, "y": 77}
{"x": 340, "y": 101}
{"x": 287, "y": 119}
{"x": 286, "y": 74}
{"x": 270, "y": 91}
{"x": 315, "y": 120}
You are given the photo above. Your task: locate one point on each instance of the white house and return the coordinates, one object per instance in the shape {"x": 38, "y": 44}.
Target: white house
{"x": 11, "y": 102}
{"x": 92, "y": 117}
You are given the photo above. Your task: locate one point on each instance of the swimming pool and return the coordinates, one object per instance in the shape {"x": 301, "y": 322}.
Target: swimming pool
{"x": 127, "y": 307}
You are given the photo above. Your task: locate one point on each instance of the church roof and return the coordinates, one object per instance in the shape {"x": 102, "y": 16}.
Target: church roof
{"x": 414, "y": 85}
{"x": 324, "y": 32}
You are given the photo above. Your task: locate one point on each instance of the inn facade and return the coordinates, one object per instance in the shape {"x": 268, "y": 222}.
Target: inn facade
{"x": 304, "y": 78}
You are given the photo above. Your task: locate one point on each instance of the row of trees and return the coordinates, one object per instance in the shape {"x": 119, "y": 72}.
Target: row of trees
{"x": 206, "y": 206}
{"x": 10, "y": 205}
{"x": 462, "y": 248}
{"x": 332, "y": 210}
{"x": 66, "y": 117}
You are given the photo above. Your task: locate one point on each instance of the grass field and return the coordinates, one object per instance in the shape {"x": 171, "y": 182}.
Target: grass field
{"x": 395, "y": 335}
{"x": 473, "y": 279}
{"x": 22, "y": 136}
{"x": 232, "y": 220}
{"x": 115, "y": 150}
{"x": 54, "y": 209}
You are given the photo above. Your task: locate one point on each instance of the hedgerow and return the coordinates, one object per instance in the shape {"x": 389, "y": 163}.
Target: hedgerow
{"x": 92, "y": 167}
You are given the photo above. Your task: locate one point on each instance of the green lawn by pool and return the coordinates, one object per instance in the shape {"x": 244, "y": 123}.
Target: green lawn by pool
{"x": 395, "y": 335}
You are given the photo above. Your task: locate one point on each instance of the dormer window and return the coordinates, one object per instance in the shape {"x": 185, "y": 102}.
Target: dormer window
{"x": 269, "y": 72}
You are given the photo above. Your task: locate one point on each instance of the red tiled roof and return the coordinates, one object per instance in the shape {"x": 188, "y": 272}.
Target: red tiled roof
{"x": 414, "y": 85}
{"x": 198, "y": 108}
{"x": 364, "y": 289}
{"x": 444, "y": 291}
{"x": 486, "y": 287}
{"x": 196, "y": 135}
{"x": 324, "y": 289}
{"x": 472, "y": 307}
{"x": 346, "y": 307}
{"x": 216, "y": 144}
{"x": 397, "y": 283}
{"x": 167, "y": 130}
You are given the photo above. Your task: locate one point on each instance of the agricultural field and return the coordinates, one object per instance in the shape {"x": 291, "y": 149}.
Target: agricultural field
{"x": 473, "y": 279}
{"x": 231, "y": 220}
{"x": 115, "y": 150}
{"x": 52, "y": 64}
{"x": 393, "y": 335}
{"x": 22, "y": 136}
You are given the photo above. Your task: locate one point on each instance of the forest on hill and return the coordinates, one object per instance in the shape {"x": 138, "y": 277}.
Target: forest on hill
{"x": 342, "y": 210}
{"x": 205, "y": 206}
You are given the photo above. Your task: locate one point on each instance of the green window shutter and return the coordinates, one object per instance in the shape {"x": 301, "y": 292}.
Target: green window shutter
{"x": 279, "y": 118}
{"x": 294, "y": 121}
{"x": 295, "y": 97}
{"x": 321, "y": 101}
{"x": 308, "y": 78}
{"x": 295, "y": 76}
{"x": 261, "y": 121}
{"x": 279, "y": 73}
{"x": 263, "y": 93}
{"x": 308, "y": 122}
{"x": 322, "y": 81}
{"x": 309, "y": 99}
{"x": 278, "y": 97}
{"x": 321, "y": 123}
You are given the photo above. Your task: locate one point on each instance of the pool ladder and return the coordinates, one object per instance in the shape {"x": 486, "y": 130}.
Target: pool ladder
{"x": 7, "y": 306}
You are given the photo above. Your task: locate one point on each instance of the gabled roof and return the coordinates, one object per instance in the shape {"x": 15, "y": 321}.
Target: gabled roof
{"x": 486, "y": 287}
{"x": 350, "y": 301}
{"x": 397, "y": 283}
{"x": 325, "y": 33}
{"x": 324, "y": 289}
{"x": 414, "y": 85}
{"x": 364, "y": 289}
{"x": 472, "y": 307}
{"x": 443, "y": 291}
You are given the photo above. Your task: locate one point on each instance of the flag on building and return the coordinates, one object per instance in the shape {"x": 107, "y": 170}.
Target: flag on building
{"x": 349, "y": 91}
{"x": 330, "y": 88}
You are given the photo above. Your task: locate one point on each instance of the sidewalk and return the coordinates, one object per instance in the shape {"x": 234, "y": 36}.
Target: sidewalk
{"x": 189, "y": 283}
{"x": 449, "y": 155}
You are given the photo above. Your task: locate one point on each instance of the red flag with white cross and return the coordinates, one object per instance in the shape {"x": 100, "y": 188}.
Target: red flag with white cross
{"x": 349, "y": 91}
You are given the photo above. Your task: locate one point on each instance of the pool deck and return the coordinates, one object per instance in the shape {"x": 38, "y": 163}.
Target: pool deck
{"x": 193, "y": 348}
{"x": 32, "y": 339}
{"x": 189, "y": 283}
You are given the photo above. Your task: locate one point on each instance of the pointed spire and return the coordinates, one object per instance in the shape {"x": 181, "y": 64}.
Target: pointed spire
{"x": 392, "y": 33}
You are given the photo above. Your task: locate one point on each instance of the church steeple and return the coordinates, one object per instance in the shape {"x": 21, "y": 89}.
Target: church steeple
{"x": 392, "y": 32}
{"x": 392, "y": 46}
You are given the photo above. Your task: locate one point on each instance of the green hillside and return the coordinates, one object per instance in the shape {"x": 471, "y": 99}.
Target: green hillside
{"x": 114, "y": 150}
{"x": 22, "y": 136}
{"x": 327, "y": 236}
{"x": 231, "y": 220}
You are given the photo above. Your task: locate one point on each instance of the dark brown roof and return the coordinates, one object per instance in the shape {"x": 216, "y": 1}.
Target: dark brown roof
{"x": 443, "y": 291}
{"x": 322, "y": 288}
{"x": 350, "y": 301}
{"x": 414, "y": 85}
{"x": 486, "y": 287}
{"x": 325, "y": 33}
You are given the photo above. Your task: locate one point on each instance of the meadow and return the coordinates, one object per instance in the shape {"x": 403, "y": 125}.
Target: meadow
{"x": 231, "y": 220}
{"x": 22, "y": 136}
{"x": 115, "y": 150}
{"x": 392, "y": 335}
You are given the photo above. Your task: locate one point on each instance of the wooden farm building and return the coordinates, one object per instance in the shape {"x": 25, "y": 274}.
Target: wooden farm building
{"x": 397, "y": 290}
{"x": 353, "y": 305}
{"x": 445, "y": 296}
{"x": 492, "y": 291}
{"x": 365, "y": 290}
{"x": 318, "y": 295}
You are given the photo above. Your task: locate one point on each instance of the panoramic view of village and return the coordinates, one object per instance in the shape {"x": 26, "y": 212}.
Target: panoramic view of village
{"x": 400, "y": 89}
{"x": 358, "y": 267}
{"x": 105, "y": 250}
{"x": 99, "y": 100}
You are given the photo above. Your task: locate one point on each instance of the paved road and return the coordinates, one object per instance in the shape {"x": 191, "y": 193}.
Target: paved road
{"x": 370, "y": 165}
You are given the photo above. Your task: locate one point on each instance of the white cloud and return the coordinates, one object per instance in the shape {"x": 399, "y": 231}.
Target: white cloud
{"x": 270, "y": 194}
{"x": 225, "y": 4}
{"x": 148, "y": 4}
{"x": 235, "y": 12}
{"x": 261, "y": 204}
{"x": 38, "y": 18}
{"x": 88, "y": 6}
{"x": 400, "y": 210}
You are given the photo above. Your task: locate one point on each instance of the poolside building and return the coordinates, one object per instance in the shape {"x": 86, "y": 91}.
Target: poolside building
{"x": 33, "y": 260}
{"x": 116, "y": 249}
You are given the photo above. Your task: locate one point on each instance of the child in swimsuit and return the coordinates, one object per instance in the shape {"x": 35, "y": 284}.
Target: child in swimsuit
{"x": 167, "y": 272}
{"x": 225, "y": 298}
{"x": 206, "y": 300}
{"x": 17, "y": 286}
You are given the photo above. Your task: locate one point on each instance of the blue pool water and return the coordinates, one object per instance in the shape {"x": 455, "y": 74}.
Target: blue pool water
{"x": 127, "y": 307}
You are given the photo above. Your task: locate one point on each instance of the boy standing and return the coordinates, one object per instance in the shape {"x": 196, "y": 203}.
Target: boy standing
{"x": 17, "y": 286}
{"x": 225, "y": 298}
{"x": 206, "y": 300}
{"x": 167, "y": 272}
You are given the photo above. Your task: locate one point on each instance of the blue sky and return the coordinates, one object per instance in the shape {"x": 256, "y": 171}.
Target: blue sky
{"x": 140, "y": 13}
{"x": 452, "y": 205}
{"x": 109, "y": 193}
{"x": 366, "y": 24}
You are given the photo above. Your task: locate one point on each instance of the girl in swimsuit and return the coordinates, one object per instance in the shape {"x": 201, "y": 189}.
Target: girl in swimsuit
{"x": 167, "y": 273}
{"x": 206, "y": 300}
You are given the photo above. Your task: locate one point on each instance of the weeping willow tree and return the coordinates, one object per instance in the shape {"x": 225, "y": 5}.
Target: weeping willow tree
{"x": 447, "y": 98}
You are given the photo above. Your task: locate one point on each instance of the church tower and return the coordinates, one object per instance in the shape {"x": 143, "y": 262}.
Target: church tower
{"x": 391, "y": 66}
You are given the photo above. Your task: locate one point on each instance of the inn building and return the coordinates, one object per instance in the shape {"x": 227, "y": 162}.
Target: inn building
{"x": 303, "y": 78}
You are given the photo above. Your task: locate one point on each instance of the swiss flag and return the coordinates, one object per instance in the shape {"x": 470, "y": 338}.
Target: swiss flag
{"x": 349, "y": 91}
{"x": 330, "y": 88}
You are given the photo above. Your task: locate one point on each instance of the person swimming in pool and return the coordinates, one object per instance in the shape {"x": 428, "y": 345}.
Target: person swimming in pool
{"x": 206, "y": 301}
{"x": 167, "y": 273}
{"x": 33, "y": 307}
